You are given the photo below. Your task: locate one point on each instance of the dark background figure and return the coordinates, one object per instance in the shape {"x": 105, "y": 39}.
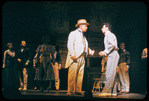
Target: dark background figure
{"x": 36, "y": 66}
{"x": 124, "y": 65}
{"x": 24, "y": 62}
{"x": 46, "y": 72}
{"x": 88, "y": 82}
{"x": 10, "y": 78}
{"x": 143, "y": 74}
{"x": 57, "y": 67}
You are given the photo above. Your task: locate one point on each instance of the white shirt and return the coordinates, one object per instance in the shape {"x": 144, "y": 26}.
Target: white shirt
{"x": 110, "y": 41}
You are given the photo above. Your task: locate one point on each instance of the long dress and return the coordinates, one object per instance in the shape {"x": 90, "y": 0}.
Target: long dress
{"x": 44, "y": 71}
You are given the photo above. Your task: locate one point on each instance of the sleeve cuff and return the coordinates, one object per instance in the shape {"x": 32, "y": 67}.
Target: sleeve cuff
{"x": 27, "y": 61}
{"x": 127, "y": 66}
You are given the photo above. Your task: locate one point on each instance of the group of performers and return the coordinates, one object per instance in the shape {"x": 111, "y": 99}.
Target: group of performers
{"x": 47, "y": 62}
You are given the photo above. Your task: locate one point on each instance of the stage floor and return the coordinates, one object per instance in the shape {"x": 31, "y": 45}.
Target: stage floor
{"x": 61, "y": 94}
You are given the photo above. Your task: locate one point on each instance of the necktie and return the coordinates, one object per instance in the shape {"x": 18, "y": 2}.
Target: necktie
{"x": 84, "y": 44}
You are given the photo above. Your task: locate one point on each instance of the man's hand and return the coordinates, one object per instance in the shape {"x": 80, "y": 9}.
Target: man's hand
{"x": 117, "y": 70}
{"x": 3, "y": 66}
{"x": 102, "y": 70}
{"x": 19, "y": 60}
{"x": 59, "y": 67}
{"x": 126, "y": 69}
{"x": 26, "y": 63}
{"x": 92, "y": 52}
{"x": 74, "y": 58}
{"x": 102, "y": 53}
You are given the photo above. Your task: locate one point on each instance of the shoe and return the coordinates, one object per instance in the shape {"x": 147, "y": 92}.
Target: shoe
{"x": 35, "y": 88}
{"x": 105, "y": 94}
{"x": 20, "y": 88}
{"x": 57, "y": 88}
{"x": 122, "y": 91}
{"x": 114, "y": 95}
{"x": 88, "y": 95}
{"x": 68, "y": 93}
{"x": 127, "y": 92}
{"x": 41, "y": 89}
{"x": 78, "y": 93}
{"x": 24, "y": 88}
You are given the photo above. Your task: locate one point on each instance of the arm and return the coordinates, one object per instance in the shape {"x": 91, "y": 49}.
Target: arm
{"x": 144, "y": 53}
{"x": 71, "y": 44}
{"x": 4, "y": 58}
{"x": 102, "y": 63}
{"x": 52, "y": 54}
{"x": 29, "y": 57}
{"x": 59, "y": 60}
{"x": 128, "y": 59}
{"x": 18, "y": 57}
{"x": 111, "y": 40}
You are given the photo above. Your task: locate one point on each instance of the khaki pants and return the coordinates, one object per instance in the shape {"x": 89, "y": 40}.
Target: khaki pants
{"x": 75, "y": 75}
{"x": 124, "y": 77}
{"x": 56, "y": 73}
{"x": 23, "y": 83}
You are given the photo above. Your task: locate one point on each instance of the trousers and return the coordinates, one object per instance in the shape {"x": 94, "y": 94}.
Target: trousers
{"x": 56, "y": 73}
{"x": 124, "y": 77}
{"x": 75, "y": 75}
{"x": 112, "y": 62}
{"x": 23, "y": 83}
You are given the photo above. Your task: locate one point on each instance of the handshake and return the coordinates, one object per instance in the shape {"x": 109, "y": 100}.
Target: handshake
{"x": 102, "y": 53}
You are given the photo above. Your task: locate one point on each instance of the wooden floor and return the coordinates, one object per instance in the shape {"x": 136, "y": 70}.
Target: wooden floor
{"x": 61, "y": 94}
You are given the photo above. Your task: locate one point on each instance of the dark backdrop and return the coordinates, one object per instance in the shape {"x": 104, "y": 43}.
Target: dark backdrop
{"x": 27, "y": 20}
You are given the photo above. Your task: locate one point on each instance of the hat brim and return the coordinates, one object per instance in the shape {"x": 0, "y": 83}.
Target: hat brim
{"x": 81, "y": 24}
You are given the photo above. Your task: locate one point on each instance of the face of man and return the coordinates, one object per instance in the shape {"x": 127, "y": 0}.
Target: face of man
{"x": 23, "y": 43}
{"x": 122, "y": 46}
{"x": 10, "y": 46}
{"x": 83, "y": 28}
{"x": 104, "y": 29}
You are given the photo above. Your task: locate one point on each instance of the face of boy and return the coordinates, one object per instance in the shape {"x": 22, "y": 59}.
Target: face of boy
{"x": 23, "y": 43}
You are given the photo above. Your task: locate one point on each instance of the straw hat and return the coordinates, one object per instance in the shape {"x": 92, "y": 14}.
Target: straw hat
{"x": 81, "y": 22}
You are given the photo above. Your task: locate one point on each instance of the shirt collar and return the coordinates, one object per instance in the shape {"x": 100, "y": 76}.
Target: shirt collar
{"x": 107, "y": 33}
{"x": 79, "y": 30}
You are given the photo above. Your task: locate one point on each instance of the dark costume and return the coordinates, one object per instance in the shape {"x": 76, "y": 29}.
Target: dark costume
{"x": 45, "y": 70}
{"x": 25, "y": 55}
{"x": 10, "y": 78}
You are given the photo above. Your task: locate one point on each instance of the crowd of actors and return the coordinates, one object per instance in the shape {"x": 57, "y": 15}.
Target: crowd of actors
{"x": 47, "y": 63}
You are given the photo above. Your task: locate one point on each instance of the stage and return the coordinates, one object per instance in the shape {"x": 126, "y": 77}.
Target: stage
{"x": 61, "y": 94}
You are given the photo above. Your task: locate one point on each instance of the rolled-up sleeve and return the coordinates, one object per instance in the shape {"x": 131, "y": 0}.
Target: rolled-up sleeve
{"x": 110, "y": 43}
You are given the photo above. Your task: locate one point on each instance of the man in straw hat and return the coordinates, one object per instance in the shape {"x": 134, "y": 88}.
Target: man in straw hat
{"x": 77, "y": 50}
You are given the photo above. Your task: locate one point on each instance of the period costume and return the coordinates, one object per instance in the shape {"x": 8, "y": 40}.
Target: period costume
{"x": 8, "y": 61}
{"x": 111, "y": 49}
{"x": 77, "y": 45}
{"x": 45, "y": 70}
{"x": 25, "y": 55}
{"x": 143, "y": 72}
{"x": 10, "y": 78}
{"x": 56, "y": 69}
{"x": 124, "y": 62}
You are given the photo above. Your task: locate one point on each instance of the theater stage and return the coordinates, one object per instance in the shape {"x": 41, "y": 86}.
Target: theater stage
{"x": 61, "y": 94}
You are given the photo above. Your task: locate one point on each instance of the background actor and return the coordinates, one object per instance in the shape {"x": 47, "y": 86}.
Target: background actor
{"x": 124, "y": 64}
